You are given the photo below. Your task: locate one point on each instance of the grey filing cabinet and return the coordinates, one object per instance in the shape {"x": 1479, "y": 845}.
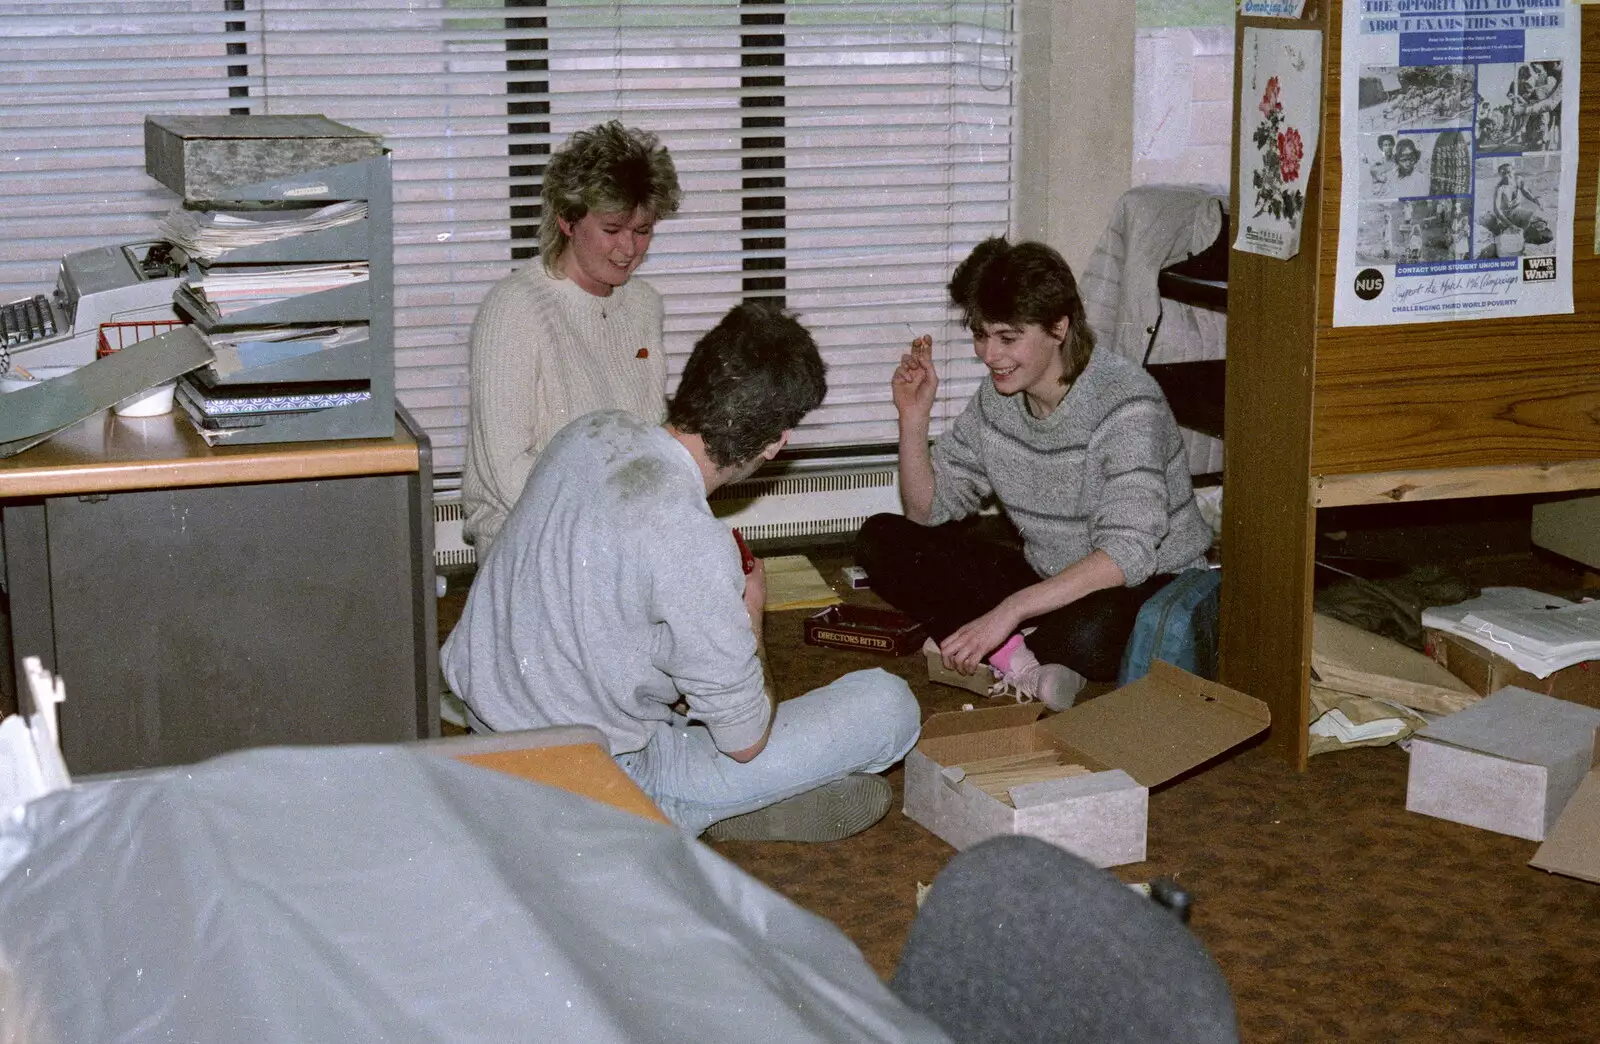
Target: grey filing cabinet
{"x": 195, "y": 620}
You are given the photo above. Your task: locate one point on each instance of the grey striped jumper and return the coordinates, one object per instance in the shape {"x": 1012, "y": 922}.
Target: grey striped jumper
{"x": 1105, "y": 471}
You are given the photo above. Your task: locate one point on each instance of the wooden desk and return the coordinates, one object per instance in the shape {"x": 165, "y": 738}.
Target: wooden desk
{"x": 197, "y": 599}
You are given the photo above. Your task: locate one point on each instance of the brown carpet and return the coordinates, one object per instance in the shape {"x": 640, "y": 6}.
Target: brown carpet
{"x": 1334, "y": 913}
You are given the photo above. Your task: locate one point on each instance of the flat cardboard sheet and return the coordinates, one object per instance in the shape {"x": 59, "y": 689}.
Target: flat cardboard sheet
{"x": 1347, "y": 658}
{"x": 1573, "y": 846}
{"x": 1161, "y": 725}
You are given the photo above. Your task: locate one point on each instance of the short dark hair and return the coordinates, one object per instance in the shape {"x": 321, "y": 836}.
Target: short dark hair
{"x": 1385, "y": 138}
{"x": 749, "y": 380}
{"x": 1407, "y": 145}
{"x": 1021, "y": 285}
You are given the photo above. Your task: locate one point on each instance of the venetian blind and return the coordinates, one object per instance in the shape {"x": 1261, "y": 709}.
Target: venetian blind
{"x": 839, "y": 156}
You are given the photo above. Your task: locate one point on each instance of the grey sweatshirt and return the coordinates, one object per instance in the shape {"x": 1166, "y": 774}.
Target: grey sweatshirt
{"x": 610, "y": 592}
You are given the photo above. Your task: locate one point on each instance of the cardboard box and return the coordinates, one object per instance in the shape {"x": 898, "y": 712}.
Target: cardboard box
{"x": 1486, "y": 671}
{"x": 1129, "y": 740}
{"x": 1508, "y": 763}
{"x": 863, "y": 627}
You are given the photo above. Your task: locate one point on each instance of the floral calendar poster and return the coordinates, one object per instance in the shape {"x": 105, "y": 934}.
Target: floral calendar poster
{"x": 1280, "y": 113}
{"x": 1460, "y": 160}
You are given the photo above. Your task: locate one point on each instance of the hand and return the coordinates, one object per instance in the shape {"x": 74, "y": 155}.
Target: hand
{"x": 966, "y": 647}
{"x": 915, "y": 381}
{"x": 755, "y": 590}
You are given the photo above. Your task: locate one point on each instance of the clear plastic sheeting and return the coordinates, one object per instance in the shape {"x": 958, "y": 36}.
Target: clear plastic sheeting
{"x": 385, "y": 893}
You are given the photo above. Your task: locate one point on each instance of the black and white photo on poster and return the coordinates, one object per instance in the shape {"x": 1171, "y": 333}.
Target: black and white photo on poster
{"x": 1519, "y": 107}
{"x": 1415, "y": 231}
{"x": 1457, "y": 189}
{"x": 1517, "y": 205}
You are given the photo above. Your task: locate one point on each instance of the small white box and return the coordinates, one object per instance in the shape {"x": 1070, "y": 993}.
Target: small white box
{"x": 1508, "y": 763}
{"x": 1140, "y": 735}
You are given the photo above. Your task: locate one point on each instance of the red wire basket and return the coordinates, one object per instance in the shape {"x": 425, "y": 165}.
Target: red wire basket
{"x": 124, "y": 334}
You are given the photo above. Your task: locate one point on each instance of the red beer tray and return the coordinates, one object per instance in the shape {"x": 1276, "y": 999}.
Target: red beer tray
{"x": 860, "y": 627}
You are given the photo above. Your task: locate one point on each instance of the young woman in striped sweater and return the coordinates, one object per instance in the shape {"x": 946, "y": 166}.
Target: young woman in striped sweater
{"x": 1080, "y": 449}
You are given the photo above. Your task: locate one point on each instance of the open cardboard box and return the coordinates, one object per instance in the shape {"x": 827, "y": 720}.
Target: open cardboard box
{"x": 1134, "y": 738}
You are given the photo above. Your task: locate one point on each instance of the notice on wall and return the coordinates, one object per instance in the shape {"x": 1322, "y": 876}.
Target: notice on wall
{"x": 1272, "y": 8}
{"x": 1460, "y": 160}
{"x": 1280, "y": 117}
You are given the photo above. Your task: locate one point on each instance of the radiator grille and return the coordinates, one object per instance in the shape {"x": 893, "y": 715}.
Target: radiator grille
{"x": 818, "y": 502}
{"x": 799, "y": 485}
{"x": 449, "y": 547}
{"x": 813, "y": 503}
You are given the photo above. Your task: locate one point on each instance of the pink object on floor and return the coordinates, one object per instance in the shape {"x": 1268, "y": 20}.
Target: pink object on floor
{"x": 1001, "y": 657}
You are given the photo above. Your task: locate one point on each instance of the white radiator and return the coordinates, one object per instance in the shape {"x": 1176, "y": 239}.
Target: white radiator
{"x": 814, "y": 500}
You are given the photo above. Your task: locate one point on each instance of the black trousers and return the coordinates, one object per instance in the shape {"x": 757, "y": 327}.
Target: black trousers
{"x": 944, "y": 576}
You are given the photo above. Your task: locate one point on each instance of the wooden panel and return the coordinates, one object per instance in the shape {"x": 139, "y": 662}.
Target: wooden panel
{"x": 1473, "y": 393}
{"x": 1267, "y": 523}
{"x": 1405, "y": 487}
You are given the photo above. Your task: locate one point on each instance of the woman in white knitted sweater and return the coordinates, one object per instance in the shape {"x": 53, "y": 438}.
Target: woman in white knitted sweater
{"x": 576, "y": 333}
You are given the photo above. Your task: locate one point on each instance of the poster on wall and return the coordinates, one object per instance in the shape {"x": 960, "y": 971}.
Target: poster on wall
{"x": 1280, "y": 106}
{"x": 1460, "y": 160}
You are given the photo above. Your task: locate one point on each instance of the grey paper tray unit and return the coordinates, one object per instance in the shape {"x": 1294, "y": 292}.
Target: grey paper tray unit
{"x": 225, "y": 162}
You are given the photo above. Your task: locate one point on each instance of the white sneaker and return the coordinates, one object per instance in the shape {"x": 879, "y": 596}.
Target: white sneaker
{"x": 1054, "y": 684}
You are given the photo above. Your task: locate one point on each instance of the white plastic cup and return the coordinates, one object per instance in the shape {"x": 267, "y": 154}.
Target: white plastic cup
{"x": 151, "y": 403}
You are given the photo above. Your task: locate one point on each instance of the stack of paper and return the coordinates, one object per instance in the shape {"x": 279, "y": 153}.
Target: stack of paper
{"x": 794, "y": 583}
{"x": 1336, "y": 725}
{"x": 211, "y": 233}
{"x": 248, "y": 350}
{"x": 1538, "y": 632}
{"x": 227, "y": 290}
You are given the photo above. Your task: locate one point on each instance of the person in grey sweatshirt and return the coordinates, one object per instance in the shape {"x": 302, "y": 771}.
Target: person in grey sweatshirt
{"x": 1078, "y": 446}
{"x": 612, "y": 597}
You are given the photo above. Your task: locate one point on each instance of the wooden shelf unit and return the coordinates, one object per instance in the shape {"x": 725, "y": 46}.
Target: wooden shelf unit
{"x": 1319, "y": 416}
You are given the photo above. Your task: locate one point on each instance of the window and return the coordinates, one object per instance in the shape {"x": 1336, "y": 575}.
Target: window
{"x": 1183, "y": 92}
{"x": 840, "y": 156}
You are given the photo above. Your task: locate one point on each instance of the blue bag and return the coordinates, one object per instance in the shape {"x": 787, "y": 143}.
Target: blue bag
{"x": 1179, "y": 625}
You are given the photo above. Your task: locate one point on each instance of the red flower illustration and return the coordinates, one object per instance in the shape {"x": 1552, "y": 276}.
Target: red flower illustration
{"x": 1269, "y": 100}
{"x": 1290, "y": 152}
{"x": 1282, "y": 151}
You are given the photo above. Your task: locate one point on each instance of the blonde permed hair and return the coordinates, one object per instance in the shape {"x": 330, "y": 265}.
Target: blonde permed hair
{"x": 609, "y": 169}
